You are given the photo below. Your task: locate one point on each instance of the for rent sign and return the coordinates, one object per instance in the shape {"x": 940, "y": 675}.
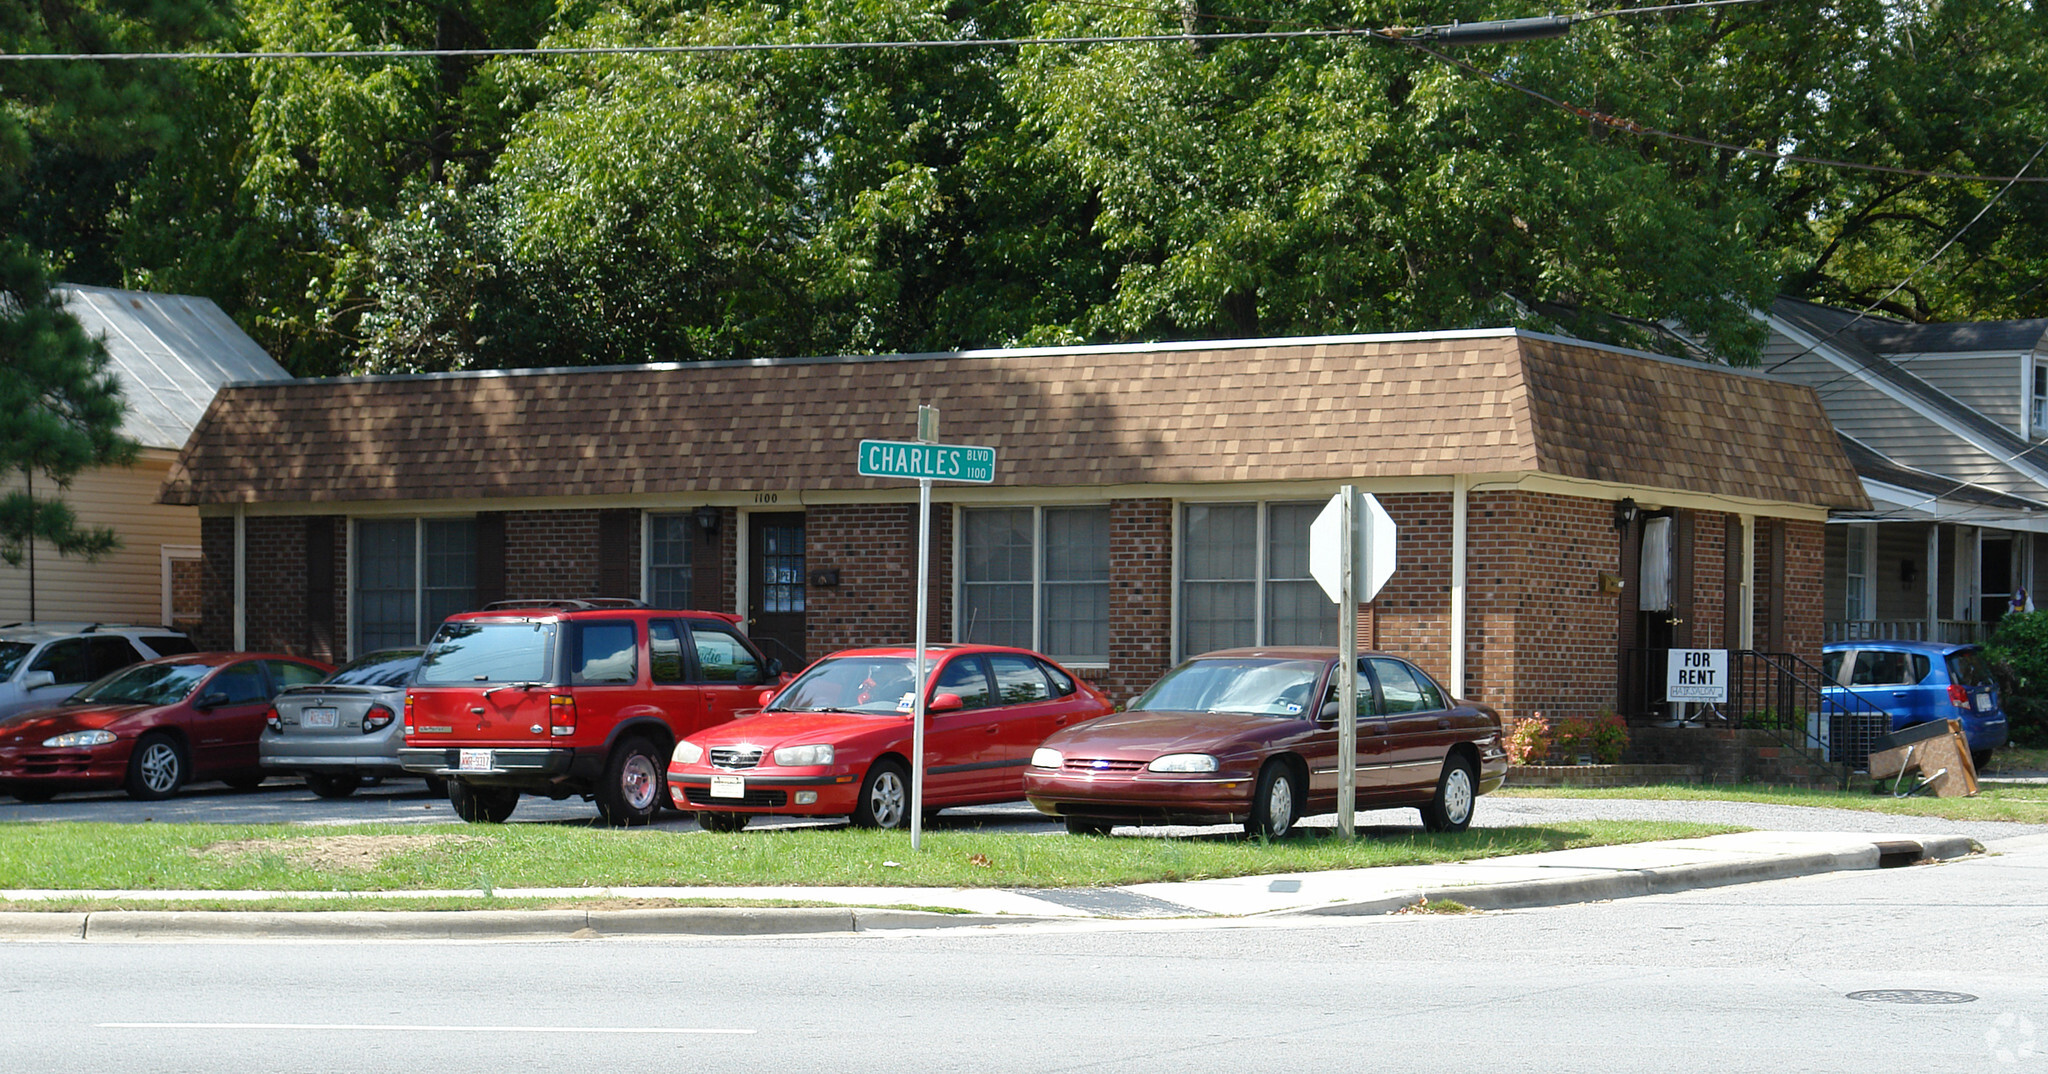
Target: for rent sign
{"x": 1696, "y": 675}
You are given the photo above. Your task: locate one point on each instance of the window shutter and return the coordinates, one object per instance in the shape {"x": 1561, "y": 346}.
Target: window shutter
{"x": 320, "y": 588}
{"x": 615, "y": 554}
{"x": 490, "y": 557}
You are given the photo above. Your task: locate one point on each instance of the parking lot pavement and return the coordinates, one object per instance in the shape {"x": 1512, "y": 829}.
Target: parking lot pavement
{"x": 406, "y": 801}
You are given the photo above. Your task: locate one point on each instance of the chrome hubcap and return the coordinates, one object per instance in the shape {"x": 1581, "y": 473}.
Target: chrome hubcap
{"x": 160, "y": 767}
{"x": 1458, "y": 794}
{"x": 1280, "y": 805}
{"x": 888, "y": 800}
{"x": 638, "y": 780}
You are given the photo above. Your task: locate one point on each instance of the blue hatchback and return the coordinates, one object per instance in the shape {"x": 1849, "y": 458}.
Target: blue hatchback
{"x": 1919, "y": 681}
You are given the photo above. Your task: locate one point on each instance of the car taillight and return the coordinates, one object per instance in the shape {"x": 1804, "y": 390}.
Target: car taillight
{"x": 1958, "y": 696}
{"x": 275, "y": 722}
{"x": 561, "y": 714}
{"x": 408, "y": 712}
{"x": 377, "y": 718}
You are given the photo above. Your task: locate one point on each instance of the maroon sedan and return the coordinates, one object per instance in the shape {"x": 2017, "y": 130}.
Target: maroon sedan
{"x": 1250, "y": 735}
{"x": 151, "y": 727}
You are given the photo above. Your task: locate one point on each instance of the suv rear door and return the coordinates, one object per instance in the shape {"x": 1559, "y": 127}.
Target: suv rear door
{"x": 486, "y": 682}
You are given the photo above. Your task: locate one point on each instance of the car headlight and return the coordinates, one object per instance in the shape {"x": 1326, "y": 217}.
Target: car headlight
{"x": 687, "y": 752}
{"x": 71, "y": 739}
{"x": 1043, "y": 757}
{"x": 797, "y": 756}
{"x": 1183, "y": 762}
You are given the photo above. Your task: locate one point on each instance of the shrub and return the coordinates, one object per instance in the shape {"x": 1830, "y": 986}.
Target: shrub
{"x": 1607, "y": 737}
{"x": 2019, "y": 654}
{"x": 1572, "y": 738}
{"x": 1528, "y": 740}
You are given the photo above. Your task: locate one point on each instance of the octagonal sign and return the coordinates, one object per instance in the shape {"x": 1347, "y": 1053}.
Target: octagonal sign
{"x": 1373, "y": 547}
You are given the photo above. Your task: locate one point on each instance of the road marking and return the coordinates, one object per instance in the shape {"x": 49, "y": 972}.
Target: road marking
{"x": 368, "y": 1027}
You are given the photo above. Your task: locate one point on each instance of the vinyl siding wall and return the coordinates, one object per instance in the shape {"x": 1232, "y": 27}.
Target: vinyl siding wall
{"x": 125, "y": 587}
{"x": 1990, "y": 384}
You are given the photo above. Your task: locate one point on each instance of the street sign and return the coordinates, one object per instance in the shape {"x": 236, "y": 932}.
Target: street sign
{"x": 927, "y": 462}
{"x": 1373, "y": 548}
{"x": 1696, "y": 675}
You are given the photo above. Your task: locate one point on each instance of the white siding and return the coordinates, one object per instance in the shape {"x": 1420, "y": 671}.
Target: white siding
{"x": 1990, "y": 384}
{"x": 126, "y": 586}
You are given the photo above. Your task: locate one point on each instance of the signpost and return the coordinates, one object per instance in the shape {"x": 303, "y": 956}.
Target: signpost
{"x": 1351, "y": 555}
{"x": 927, "y": 462}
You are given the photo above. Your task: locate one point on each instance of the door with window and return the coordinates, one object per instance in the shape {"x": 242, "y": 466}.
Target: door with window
{"x": 775, "y": 586}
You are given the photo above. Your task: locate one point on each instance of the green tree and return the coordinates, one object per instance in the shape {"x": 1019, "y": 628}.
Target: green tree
{"x": 60, "y": 414}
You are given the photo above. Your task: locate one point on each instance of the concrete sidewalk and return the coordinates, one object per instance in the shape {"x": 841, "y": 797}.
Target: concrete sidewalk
{"x": 1568, "y": 876}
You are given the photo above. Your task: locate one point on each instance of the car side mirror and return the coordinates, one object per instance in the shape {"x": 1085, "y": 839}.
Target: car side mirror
{"x": 1330, "y": 711}
{"x": 947, "y": 703}
{"x": 36, "y": 680}
{"x": 774, "y": 667}
{"x": 212, "y": 700}
{"x": 767, "y": 696}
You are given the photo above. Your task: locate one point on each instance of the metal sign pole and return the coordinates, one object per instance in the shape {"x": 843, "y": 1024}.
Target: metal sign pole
{"x": 1347, "y": 667}
{"x": 927, "y": 432}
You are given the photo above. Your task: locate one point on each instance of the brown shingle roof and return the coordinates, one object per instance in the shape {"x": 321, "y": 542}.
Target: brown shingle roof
{"x": 1361, "y": 407}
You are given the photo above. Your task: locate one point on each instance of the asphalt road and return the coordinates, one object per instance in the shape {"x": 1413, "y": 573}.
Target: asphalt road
{"x": 406, "y": 802}
{"x": 1934, "y": 967}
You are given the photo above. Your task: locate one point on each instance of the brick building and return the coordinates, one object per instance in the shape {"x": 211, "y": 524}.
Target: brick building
{"x": 1563, "y": 507}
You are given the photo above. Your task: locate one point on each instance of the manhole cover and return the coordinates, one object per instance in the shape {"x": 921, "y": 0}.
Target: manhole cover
{"x": 1911, "y": 995}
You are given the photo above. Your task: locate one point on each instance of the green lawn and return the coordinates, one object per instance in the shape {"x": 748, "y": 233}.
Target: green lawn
{"x": 412, "y": 858}
{"x": 2019, "y": 802}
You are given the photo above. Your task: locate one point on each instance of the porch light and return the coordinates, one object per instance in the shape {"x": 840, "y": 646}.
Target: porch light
{"x": 1625, "y": 513}
{"x": 707, "y": 519}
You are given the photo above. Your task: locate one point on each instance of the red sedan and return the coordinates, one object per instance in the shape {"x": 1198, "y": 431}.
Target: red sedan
{"x": 151, "y": 727}
{"x": 1250, "y": 735}
{"x": 837, "y": 740}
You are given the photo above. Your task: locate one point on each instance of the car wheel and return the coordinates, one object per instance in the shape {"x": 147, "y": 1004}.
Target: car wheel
{"x": 712, "y": 821}
{"x": 1087, "y": 826}
{"x": 632, "y": 788}
{"x": 884, "y": 797}
{"x": 157, "y": 768}
{"x": 481, "y": 805}
{"x": 327, "y": 786}
{"x": 1980, "y": 760}
{"x": 1273, "y": 803}
{"x": 437, "y": 786}
{"x": 1450, "y": 809}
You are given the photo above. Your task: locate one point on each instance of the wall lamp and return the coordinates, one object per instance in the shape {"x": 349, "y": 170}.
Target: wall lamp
{"x": 707, "y": 519}
{"x": 1625, "y": 513}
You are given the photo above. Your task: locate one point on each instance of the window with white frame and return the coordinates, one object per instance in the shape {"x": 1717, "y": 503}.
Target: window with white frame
{"x": 2037, "y": 405}
{"x": 669, "y": 579}
{"x": 1037, "y": 578}
{"x": 409, "y": 575}
{"x": 1245, "y": 579}
{"x": 1856, "y": 587}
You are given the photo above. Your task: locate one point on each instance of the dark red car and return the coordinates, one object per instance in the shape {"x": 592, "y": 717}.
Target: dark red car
{"x": 838, "y": 740}
{"x": 1250, "y": 735}
{"x": 152, "y": 727}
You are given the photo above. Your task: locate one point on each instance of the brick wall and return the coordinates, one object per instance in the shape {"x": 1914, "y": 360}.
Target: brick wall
{"x": 1140, "y": 596}
{"x": 554, "y": 555}
{"x": 274, "y": 610}
{"x": 1412, "y": 613}
{"x": 1805, "y": 587}
{"x": 875, "y": 552}
{"x": 1565, "y": 629}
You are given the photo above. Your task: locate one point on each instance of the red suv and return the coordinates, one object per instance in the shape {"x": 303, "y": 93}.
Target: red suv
{"x": 572, "y": 697}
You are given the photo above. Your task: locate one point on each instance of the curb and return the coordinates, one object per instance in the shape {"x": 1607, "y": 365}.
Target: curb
{"x": 1625, "y": 884}
{"x": 119, "y": 926}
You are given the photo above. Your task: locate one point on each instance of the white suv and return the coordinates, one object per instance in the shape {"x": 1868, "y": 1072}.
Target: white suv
{"x": 41, "y": 664}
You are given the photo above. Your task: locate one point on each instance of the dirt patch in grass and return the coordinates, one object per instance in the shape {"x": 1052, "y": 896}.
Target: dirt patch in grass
{"x": 361, "y": 853}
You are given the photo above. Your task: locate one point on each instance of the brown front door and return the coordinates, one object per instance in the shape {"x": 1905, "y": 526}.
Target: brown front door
{"x": 775, "y": 587}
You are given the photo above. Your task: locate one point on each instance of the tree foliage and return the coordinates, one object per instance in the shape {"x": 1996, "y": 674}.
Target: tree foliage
{"x": 60, "y": 413}
{"x": 438, "y": 213}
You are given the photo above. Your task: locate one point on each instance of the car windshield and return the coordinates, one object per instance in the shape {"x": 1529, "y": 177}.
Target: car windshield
{"x": 469, "y": 652}
{"x": 143, "y": 684}
{"x": 1225, "y": 684}
{"x": 11, "y": 655}
{"x": 389, "y": 668}
{"x": 871, "y": 684}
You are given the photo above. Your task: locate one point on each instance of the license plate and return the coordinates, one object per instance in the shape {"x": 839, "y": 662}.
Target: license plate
{"x": 475, "y": 761}
{"x": 728, "y": 786}
{"x": 1983, "y": 703}
{"x": 321, "y": 717}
